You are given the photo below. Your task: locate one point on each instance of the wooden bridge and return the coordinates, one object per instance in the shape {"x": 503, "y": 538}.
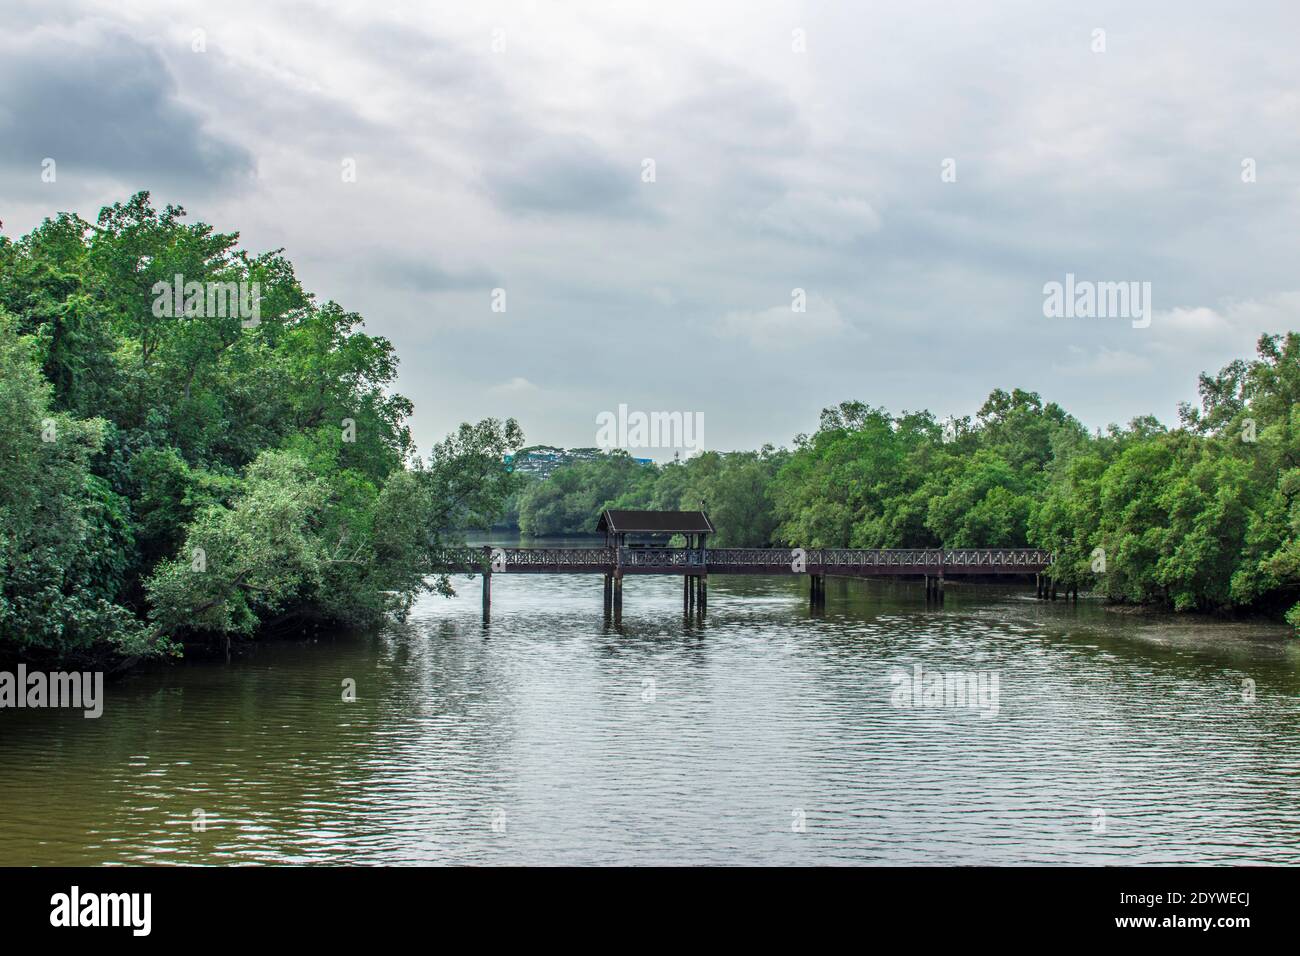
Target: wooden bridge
{"x": 849, "y": 562}
{"x": 695, "y": 561}
{"x": 695, "y": 566}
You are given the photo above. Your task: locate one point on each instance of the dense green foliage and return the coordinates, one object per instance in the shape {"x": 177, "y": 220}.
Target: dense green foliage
{"x": 162, "y": 477}
{"x": 867, "y": 479}
{"x": 733, "y": 487}
{"x": 1203, "y": 517}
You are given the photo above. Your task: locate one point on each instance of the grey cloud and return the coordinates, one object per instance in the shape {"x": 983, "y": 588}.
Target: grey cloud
{"x": 775, "y": 171}
{"x": 427, "y": 275}
{"x": 101, "y": 103}
{"x": 737, "y": 111}
{"x": 565, "y": 175}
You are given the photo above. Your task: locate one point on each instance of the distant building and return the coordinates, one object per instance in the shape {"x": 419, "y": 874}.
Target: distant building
{"x": 540, "y": 461}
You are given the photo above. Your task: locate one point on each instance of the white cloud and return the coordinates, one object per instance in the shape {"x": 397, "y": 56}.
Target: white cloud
{"x": 821, "y": 217}
{"x": 1232, "y": 326}
{"x": 516, "y": 386}
{"x": 1102, "y": 363}
{"x": 780, "y": 327}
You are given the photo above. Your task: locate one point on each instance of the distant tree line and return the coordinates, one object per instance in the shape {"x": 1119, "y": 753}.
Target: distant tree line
{"x": 1201, "y": 517}
{"x": 734, "y": 485}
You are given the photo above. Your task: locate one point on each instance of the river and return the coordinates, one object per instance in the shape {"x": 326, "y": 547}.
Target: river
{"x": 764, "y": 735}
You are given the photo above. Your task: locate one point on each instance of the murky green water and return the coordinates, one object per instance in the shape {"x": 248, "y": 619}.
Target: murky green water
{"x": 765, "y": 735}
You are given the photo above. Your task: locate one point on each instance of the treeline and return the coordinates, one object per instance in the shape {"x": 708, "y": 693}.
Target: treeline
{"x": 167, "y": 475}
{"x": 1201, "y": 517}
{"x": 734, "y": 486}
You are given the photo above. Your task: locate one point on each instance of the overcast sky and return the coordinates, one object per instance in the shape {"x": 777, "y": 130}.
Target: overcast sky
{"x": 795, "y": 146}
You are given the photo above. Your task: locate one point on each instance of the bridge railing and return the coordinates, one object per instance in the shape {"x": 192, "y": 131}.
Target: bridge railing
{"x": 476, "y": 559}
{"x": 997, "y": 557}
{"x": 863, "y": 558}
{"x": 855, "y": 558}
{"x": 749, "y": 558}
{"x": 459, "y": 559}
{"x": 663, "y": 558}
{"x": 918, "y": 560}
{"x": 594, "y": 558}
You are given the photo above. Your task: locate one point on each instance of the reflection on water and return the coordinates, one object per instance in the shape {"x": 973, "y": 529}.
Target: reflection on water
{"x": 550, "y": 737}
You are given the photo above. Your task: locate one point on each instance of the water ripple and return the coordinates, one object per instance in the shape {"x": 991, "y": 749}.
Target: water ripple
{"x": 765, "y": 735}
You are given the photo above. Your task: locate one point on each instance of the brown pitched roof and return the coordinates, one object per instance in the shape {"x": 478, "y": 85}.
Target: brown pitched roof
{"x": 654, "y": 522}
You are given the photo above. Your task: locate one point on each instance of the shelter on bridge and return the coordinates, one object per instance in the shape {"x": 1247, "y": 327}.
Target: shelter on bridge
{"x": 654, "y": 529}
{"x": 617, "y": 524}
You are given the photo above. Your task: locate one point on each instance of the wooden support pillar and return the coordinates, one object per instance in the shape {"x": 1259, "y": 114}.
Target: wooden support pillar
{"x": 1038, "y": 585}
{"x": 927, "y": 589}
{"x": 609, "y": 594}
{"x": 817, "y": 590}
{"x": 686, "y": 593}
{"x": 487, "y": 596}
{"x": 620, "y": 540}
{"x": 939, "y": 585}
{"x": 704, "y": 593}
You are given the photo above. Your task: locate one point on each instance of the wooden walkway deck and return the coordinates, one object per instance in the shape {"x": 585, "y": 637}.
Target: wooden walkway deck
{"x": 696, "y": 564}
{"x": 950, "y": 562}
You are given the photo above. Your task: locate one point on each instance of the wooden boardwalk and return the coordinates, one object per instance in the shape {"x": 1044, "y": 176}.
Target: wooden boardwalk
{"x": 850, "y": 562}
{"x": 695, "y": 565}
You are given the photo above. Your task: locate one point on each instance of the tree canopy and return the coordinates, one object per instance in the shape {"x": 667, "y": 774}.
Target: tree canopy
{"x": 168, "y": 474}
